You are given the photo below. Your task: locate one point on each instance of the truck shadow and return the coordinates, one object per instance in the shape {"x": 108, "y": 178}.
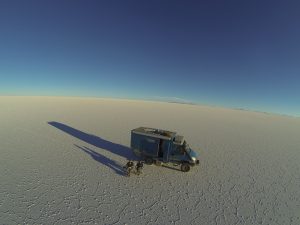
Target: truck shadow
{"x": 98, "y": 142}
{"x": 171, "y": 168}
{"x": 103, "y": 159}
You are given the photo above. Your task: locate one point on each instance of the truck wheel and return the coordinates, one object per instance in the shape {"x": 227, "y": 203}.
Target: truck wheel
{"x": 185, "y": 167}
{"x": 149, "y": 161}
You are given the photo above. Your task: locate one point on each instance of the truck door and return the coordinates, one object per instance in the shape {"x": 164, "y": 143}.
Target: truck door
{"x": 149, "y": 147}
{"x": 161, "y": 148}
{"x": 167, "y": 148}
{"x": 177, "y": 154}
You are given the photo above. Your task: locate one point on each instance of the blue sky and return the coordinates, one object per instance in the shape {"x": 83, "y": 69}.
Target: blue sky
{"x": 238, "y": 54}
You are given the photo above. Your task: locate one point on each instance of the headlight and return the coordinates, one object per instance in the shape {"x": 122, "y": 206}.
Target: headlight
{"x": 194, "y": 159}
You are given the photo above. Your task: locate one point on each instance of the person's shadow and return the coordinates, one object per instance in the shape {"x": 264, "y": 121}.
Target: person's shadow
{"x": 117, "y": 149}
{"x": 103, "y": 159}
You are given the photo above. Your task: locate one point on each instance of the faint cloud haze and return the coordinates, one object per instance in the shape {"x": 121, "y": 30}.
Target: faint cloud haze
{"x": 172, "y": 99}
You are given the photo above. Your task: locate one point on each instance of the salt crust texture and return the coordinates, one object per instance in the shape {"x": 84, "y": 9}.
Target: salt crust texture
{"x": 61, "y": 163}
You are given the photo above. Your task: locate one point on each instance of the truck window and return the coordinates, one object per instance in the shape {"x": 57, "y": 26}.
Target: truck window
{"x": 179, "y": 150}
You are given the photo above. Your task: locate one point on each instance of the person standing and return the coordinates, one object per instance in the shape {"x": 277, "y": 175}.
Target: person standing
{"x": 139, "y": 167}
{"x": 128, "y": 167}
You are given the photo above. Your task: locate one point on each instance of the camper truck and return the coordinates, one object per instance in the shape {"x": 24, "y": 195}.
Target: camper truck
{"x": 162, "y": 146}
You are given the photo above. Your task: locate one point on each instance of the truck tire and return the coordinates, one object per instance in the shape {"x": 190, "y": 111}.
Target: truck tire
{"x": 149, "y": 161}
{"x": 185, "y": 167}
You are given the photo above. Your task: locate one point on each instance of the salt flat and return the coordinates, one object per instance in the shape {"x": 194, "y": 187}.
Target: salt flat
{"x": 61, "y": 163}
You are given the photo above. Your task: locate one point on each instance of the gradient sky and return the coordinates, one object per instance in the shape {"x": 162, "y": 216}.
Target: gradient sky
{"x": 240, "y": 54}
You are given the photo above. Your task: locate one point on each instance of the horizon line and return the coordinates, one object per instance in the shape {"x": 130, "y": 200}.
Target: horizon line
{"x": 160, "y": 99}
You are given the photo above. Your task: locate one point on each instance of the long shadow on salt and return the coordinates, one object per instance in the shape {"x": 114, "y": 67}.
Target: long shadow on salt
{"x": 103, "y": 159}
{"x": 98, "y": 142}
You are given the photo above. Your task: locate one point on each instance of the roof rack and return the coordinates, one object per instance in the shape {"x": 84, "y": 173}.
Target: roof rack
{"x": 153, "y": 132}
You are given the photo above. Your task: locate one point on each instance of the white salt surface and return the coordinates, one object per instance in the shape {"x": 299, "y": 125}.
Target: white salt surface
{"x": 61, "y": 162}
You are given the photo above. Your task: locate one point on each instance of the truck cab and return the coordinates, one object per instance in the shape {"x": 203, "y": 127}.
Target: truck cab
{"x": 162, "y": 146}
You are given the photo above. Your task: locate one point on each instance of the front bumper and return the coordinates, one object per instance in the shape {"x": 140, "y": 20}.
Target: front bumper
{"x": 194, "y": 162}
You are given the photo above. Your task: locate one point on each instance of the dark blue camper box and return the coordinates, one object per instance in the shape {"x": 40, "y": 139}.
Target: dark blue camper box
{"x": 162, "y": 146}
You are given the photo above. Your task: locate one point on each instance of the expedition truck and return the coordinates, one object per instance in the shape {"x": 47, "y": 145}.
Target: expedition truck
{"x": 162, "y": 146}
